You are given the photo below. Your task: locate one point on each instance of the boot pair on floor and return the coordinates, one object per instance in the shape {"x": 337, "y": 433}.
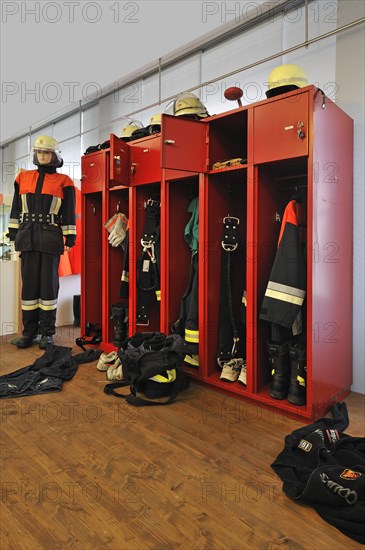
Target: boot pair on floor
{"x": 289, "y": 371}
{"x": 27, "y": 341}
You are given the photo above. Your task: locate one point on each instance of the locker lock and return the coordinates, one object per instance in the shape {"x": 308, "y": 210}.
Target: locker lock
{"x": 133, "y": 168}
{"x": 300, "y": 132}
{"x": 169, "y": 141}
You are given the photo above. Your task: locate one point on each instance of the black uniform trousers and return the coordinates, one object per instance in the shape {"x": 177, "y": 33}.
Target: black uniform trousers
{"x": 40, "y": 286}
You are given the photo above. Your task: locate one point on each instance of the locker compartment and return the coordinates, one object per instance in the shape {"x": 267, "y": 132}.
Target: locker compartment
{"x": 93, "y": 172}
{"x": 91, "y": 279}
{"x": 278, "y": 183}
{"x": 115, "y": 258}
{"x": 281, "y": 128}
{"x": 226, "y": 196}
{"x": 228, "y": 140}
{"x": 180, "y": 193}
{"x": 144, "y": 194}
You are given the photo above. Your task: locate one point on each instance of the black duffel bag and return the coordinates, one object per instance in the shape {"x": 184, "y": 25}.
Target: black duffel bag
{"x": 152, "y": 364}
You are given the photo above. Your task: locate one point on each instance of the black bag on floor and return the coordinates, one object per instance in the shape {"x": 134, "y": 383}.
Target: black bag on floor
{"x": 152, "y": 365}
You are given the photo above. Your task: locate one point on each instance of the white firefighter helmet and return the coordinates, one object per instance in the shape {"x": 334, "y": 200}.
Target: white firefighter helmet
{"x": 49, "y": 144}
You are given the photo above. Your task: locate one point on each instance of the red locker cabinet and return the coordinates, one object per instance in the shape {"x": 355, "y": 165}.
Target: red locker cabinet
{"x": 246, "y": 163}
{"x": 102, "y": 175}
{"x": 297, "y": 143}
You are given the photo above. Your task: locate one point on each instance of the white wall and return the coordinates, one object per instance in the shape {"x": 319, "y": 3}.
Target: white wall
{"x": 350, "y": 77}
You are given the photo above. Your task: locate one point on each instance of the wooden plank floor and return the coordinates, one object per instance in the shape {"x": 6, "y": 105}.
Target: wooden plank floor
{"x": 82, "y": 470}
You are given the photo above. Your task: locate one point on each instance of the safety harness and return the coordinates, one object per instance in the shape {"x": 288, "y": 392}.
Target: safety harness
{"x": 148, "y": 265}
{"x": 229, "y": 340}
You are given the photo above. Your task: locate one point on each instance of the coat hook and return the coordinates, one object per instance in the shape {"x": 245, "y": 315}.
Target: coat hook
{"x": 118, "y": 206}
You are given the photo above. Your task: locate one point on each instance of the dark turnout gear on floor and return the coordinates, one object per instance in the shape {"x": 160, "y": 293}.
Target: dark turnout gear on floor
{"x": 42, "y": 222}
{"x": 324, "y": 467}
{"x": 45, "y": 375}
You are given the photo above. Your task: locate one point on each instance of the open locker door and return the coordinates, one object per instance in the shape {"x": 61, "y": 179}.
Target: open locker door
{"x": 119, "y": 161}
{"x": 184, "y": 144}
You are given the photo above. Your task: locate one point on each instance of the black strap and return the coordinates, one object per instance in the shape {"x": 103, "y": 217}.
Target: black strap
{"x": 134, "y": 399}
{"x": 26, "y": 217}
{"x": 228, "y": 334}
{"x": 124, "y": 279}
{"x": 148, "y": 270}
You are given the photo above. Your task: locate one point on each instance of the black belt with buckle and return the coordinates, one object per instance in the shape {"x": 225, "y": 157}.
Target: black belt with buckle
{"x": 39, "y": 218}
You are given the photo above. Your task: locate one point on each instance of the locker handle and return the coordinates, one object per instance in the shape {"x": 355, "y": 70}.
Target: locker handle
{"x": 92, "y": 164}
{"x": 169, "y": 141}
{"x": 116, "y": 157}
{"x": 300, "y": 131}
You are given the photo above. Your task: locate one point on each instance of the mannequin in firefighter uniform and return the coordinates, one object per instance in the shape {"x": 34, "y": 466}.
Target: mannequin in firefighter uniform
{"x": 42, "y": 225}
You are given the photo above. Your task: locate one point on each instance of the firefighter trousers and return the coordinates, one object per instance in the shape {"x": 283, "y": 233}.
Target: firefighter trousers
{"x": 40, "y": 286}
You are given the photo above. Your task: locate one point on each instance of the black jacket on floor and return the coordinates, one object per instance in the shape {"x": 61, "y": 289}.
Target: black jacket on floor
{"x": 46, "y": 374}
{"x": 324, "y": 467}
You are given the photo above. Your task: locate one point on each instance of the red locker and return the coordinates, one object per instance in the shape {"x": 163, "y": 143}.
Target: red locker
{"x": 300, "y": 142}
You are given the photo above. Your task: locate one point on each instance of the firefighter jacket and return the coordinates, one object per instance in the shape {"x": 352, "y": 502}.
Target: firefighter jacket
{"x": 43, "y": 211}
{"x": 286, "y": 288}
{"x": 324, "y": 467}
{"x": 187, "y": 324}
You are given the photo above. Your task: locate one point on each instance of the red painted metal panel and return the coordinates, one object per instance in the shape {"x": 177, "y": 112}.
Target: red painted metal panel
{"x": 93, "y": 172}
{"x": 277, "y": 127}
{"x": 184, "y": 144}
{"x": 119, "y": 161}
{"x": 331, "y": 253}
{"x": 145, "y": 156}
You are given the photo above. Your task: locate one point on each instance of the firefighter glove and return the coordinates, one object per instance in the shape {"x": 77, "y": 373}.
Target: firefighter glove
{"x": 118, "y": 233}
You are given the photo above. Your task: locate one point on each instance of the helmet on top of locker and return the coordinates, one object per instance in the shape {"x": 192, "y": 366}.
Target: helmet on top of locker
{"x": 129, "y": 129}
{"x": 50, "y": 145}
{"x": 286, "y": 78}
{"x": 187, "y": 104}
{"x": 154, "y": 126}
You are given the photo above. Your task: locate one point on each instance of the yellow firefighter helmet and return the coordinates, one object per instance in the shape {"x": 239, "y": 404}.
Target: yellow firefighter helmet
{"x": 285, "y": 78}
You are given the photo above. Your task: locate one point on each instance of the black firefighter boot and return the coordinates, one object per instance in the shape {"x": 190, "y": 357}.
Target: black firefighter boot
{"x": 280, "y": 372}
{"x": 298, "y": 374}
{"x": 120, "y": 317}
